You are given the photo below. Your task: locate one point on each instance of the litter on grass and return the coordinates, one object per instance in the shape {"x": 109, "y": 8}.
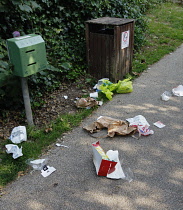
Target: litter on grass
{"x": 18, "y": 134}
{"x": 141, "y": 124}
{"x": 108, "y": 164}
{"x": 109, "y": 88}
{"x": 17, "y": 152}
{"x": 94, "y": 95}
{"x": 40, "y": 165}
{"x": 66, "y": 97}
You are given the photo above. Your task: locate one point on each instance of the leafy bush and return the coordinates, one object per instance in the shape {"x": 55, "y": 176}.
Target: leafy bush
{"x": 62, "y": 26}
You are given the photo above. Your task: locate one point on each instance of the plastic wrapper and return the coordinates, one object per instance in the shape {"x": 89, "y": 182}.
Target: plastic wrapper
{"x": 124, "y": 86}
{"x": 108, "y": 164}
{"x": 142, "y": 125}
{"x": 18, "y": 134}
{"x": 37, "y": 164}
{"x": 166, "y": 96}
{"x": 47, "y": 170}
{"x": 178, "y": 91}
{"x": 107, "y": 92}
{"x": 17, "y": 152}
{"x": 114, "y": 126}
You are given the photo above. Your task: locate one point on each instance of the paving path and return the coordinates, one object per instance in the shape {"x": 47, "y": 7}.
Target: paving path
{"x": 156, "y": 160}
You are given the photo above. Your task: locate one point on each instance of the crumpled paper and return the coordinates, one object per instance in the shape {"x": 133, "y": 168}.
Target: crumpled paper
{"x": 18, "y": 134}
{"x": 11, "y": 148}
{"x": 115, "y": 126}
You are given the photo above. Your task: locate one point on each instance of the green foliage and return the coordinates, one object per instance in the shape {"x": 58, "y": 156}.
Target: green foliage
{"x": 62, "y": 26}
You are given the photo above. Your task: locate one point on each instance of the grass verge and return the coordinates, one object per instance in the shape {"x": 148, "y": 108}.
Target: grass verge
{"x": 165, "y": 24}
{"x": 38, "y": 141}
{"x": 165, "y": 35}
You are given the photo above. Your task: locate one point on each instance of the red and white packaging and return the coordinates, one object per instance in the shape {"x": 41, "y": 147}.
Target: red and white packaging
{"x": 107, "y": 164}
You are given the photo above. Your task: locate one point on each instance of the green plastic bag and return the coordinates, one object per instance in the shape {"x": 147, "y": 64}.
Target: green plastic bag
{"x": 106, "y": 91}
{"x": 124, "y": 86}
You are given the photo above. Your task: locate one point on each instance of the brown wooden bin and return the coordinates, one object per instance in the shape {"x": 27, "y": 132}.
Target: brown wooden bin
{"x": 109, "y": 47}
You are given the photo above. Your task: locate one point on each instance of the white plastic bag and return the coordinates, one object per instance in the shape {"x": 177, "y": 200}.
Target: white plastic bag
{"x": 18, "y": 134}
{"x": 178, "y": 91}
{"x": 166, "y": 96}
{"x": 11, "y": 148}
{"x": 37, "y": 164}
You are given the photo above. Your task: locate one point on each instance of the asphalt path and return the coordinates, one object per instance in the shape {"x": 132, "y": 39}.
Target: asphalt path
{"x": 156, "y": 160}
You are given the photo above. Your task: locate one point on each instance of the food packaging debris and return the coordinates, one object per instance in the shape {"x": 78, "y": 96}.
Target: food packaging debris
{"x": 37, "y": 164}
{"x": 11, "y": 148}
{"x": 94, "y": 95}
{"x": 142, "y": 125}
{"x": 86, "y": 102}
{"x": 61, "y": 145}
{"x": 107, "y": 164}
{"x": 118, "y": 172}
{"x": 114, "y": 126}
{"x": 47, "y": 170}
{"x": 178, "y": 91}
{"x": 166, "y": 96}
{"x": 159, "y": 124}
{"x": 18, "y": 134}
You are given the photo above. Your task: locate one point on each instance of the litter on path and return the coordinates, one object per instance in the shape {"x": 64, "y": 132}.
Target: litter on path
{"x": 61, "y": 145}
{"x": 178, "y": 91}
{"x": 114, "y": 126}
{"x": 108, "y": 164}
{"x": 159, "y": 124}
{"x": 109, "y": 88}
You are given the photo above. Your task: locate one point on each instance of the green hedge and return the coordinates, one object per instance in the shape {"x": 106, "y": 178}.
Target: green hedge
{"x": 62, "y": 25}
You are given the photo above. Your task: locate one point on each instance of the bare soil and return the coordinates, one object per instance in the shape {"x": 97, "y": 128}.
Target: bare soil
{"x": 58, "y": 102}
